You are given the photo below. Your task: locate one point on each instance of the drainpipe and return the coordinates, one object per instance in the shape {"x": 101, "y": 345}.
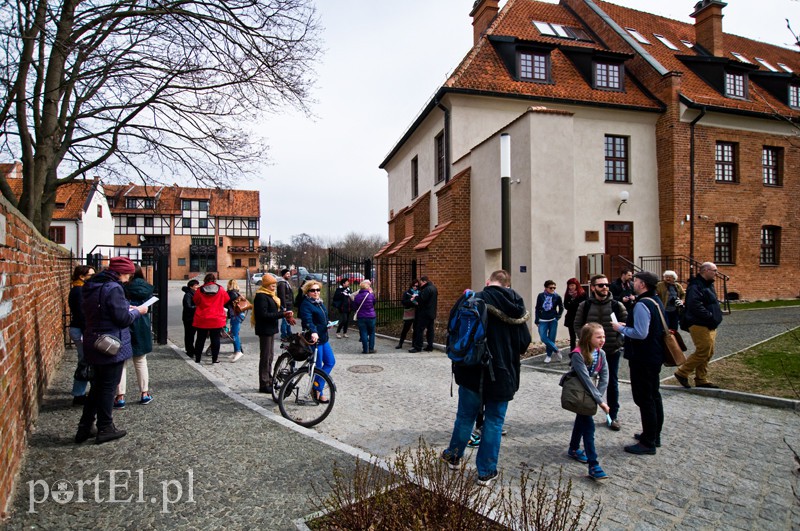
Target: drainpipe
{"x": 691, "y": 181}
{"x": 446, "y": 141}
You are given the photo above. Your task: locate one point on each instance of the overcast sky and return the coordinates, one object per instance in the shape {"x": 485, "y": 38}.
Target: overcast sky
{"x": 382, "y": 63}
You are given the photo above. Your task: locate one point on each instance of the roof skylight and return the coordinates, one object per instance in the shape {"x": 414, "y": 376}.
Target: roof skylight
{"x": 741, "y": 57}
{"x": 638, "y": 36}
{"x": 786, "y": 68}
{"x": 766, "y": 64}
{"x": 688, "y": 44}
{"x": 665, "y": 41}
{"x": 558, "y": 30}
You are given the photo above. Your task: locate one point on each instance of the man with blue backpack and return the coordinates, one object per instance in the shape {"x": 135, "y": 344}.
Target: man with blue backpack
{"x": 487, "y": 333}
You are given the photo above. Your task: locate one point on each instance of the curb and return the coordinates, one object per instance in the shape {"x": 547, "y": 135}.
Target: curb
{"x": 738, "y": 396}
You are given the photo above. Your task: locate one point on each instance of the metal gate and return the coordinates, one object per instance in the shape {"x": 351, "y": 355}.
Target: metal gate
{"x": 340, "y": 267}
{"x": 393, "y": 278}
{"x": 154, "y": 260}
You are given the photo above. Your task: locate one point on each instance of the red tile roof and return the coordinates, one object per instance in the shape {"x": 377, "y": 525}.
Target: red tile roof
{"x": 694, "y": 87}
{"x": 483, "y": 69}
{"x": 427, "y": 240}
{"x": 222, "y": 203}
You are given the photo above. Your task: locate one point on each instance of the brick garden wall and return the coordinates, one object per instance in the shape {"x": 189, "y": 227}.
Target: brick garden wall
{"x": 34, "y": 284}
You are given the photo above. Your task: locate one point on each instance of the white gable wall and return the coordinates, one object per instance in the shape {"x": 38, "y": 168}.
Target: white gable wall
{"x": 97, "y": 230}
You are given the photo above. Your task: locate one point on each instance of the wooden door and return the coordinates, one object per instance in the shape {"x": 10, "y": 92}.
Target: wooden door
{"x": 619, "y": 239}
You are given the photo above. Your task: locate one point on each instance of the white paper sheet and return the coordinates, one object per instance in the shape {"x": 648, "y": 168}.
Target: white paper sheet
{"x": 149, "y": 302}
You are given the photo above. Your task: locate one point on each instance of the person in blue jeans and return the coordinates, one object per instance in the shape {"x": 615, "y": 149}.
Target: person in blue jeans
{"x": 315, "y": 319}
{"x": 549, "y": 308}
{"x": 364, "y": 305}
{"x": 236, "y": 320}
{"x": 589, "y": 362}
{"x": 77, "y": 323}
{"x": 507, "y": 337}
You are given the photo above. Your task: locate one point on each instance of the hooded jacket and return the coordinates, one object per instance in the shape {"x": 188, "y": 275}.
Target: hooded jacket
{"x": 138, "y": 291}
{"x": 210, "y": 300}
{"x": 507, "y": 337}
{"x": 106, "y": 311}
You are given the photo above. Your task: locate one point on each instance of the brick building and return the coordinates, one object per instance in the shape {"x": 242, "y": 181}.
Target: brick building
{"x": 206, "y": 230}
{"x": 696, "y": 129}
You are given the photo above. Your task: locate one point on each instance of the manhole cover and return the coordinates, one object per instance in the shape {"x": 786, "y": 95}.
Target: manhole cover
{"x": 365, "y": 369}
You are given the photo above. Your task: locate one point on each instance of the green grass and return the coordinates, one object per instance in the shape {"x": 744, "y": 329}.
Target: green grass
{"x": 772, "y": 368}
{"x": 764, "y": 304}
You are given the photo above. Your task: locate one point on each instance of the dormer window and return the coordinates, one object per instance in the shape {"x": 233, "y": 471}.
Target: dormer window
{"x": 61, "y": 206}
{"x": 608, "y": 76}
{"x": 735, "y": 85}
{"x": 786, "y": 68}
{"x": 794, "y": 96}
{"x": 688, "y": 44}
{"x": 534, "y": 66}
{"x": 742, "y": 58}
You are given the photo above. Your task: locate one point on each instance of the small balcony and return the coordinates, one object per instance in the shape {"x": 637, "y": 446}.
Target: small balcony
{"x": 243, "y": 249}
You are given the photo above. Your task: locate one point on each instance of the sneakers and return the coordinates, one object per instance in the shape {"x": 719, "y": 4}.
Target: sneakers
{"x": 706, "y": 385}
{"x": 119, "y": 404}
{"x": 547, "y": 358}
{"x": 85, "y": 434}
{"x": 578, "y": 455}
{"x": 146, "y": 399}
{"x": 640, "y": 449}
{"x": 558, "y": 356}
{"x": 596, "y": 473}
{"x": 339, "y": 336}
{"x": 638, "y": 437}
{"x": 683, "y": 380}
{"x": 474, "y": 440}
{"x": 452, "y": 461}
{"x": 344, "y": 336}
{"x": 109, "y": 434}
{"x": 615, "y": 425}
{"x": 488, "y": 479}
{"x": 236, "y": 357}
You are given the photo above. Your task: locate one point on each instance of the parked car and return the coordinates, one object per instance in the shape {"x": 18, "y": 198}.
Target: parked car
{"x": 355, "y": 278}
{"x": 257, "y": 278}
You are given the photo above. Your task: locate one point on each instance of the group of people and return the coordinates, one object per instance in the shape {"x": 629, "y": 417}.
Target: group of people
{"x": 605, "y": 327}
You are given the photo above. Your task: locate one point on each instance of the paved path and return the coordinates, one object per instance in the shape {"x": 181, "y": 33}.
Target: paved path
{"x": 723, "y": 464}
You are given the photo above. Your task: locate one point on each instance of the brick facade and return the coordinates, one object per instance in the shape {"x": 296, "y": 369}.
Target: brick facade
{"x": 35, "y": 283}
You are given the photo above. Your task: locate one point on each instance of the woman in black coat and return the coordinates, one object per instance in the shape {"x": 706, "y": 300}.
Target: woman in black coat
{"x": 265, "y": 317}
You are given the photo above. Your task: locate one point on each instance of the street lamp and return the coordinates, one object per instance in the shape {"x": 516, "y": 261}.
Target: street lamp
{"x": 505, "y": 201}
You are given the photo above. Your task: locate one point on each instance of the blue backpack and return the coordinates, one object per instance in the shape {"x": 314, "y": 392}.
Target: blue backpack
{"x": 466, "y": 331}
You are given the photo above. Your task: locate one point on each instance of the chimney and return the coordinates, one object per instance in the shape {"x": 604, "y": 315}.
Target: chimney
{"x": 708, "y": 25}
{"x": 483, "y": 13}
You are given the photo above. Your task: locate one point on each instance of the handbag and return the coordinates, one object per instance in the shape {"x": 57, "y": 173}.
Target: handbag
{"x": 575, "y": 397}
{"x": 83, "y": 372}
{"x": 362, "y": 304}
{"x": 241, "y": 305}
{"x": 107, "y": 344}
{"x": 673, "y": 355}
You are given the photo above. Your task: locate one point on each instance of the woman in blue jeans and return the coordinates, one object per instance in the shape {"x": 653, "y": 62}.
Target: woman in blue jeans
{"x": 364, "y": 305}
{"x": 236, "y": 320}
{"x": 315, "y": 319}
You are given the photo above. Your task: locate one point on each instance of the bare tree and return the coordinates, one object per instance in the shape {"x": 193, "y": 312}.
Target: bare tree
{"x": 144, "y": 87}
{"x": 359, "y": 245}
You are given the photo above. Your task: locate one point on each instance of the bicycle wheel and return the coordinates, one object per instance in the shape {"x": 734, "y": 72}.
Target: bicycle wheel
{"x": 297, "y": 399}
{"x": 283, "y": 369}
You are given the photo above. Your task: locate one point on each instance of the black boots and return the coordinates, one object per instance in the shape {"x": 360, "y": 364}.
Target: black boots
{"x": 109, "y": 433}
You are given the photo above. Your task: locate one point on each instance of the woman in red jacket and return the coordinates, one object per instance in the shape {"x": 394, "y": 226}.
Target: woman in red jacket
{"x": 209, "y": 317}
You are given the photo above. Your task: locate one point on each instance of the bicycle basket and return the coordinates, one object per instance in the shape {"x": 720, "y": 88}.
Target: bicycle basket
{"x": 299, "y": 349}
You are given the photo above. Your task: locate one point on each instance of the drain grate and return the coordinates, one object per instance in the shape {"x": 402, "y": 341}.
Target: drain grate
{"x": 365, "y": 369}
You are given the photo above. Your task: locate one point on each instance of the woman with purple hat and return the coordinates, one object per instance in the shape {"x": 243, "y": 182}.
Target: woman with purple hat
{"x": 106, "y": 312}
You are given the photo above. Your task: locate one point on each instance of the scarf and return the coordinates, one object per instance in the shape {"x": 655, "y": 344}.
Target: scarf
{"x": 269, "y": 293}
{"x": 77, "y": 283}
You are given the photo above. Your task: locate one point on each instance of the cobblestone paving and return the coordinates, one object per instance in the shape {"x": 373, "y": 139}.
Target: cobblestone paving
{"x": 723, "y": 465}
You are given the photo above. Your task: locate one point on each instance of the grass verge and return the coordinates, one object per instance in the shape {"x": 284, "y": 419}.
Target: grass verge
{"x": 757, "y": 305}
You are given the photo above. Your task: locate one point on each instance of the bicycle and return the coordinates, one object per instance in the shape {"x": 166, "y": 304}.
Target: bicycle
{"x": 296, "y": 393}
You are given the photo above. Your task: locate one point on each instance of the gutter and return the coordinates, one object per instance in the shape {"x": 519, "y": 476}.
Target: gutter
{"x": 692, "y": 178}
{"x": 633, "y": 43}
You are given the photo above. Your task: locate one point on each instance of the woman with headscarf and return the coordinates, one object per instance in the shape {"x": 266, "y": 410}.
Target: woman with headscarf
{"x": 77, "y": 323}
{"x": 264, "y": 318}
{"x": 315, "y": 319}
{"x": 107, "y": 312}
{"x": 209, "y": 316}
{"x": 138, "y": 290}
{"x": 574, "y": 296}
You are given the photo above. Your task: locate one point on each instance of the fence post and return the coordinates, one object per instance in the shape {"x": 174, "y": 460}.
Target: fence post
{"x": 163, "y": 288}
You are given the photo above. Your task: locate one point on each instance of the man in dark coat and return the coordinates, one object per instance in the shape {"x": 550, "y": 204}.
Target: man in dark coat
{"x": 507, "y": 337}
{"x": 427, "y": 302}
{"x": 644, "y": 350}
{"x": 703, "y": 316}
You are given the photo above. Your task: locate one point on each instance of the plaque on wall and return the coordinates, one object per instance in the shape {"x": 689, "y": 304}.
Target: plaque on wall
{"x": 592, "y": 236}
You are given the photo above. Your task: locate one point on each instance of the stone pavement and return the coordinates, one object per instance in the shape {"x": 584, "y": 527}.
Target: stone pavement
{"x": 723, "y": 464}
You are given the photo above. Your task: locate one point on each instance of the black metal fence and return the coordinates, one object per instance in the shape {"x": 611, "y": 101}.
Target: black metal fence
{"x": 394, "y": 276}
{"x": 154, "y": 260}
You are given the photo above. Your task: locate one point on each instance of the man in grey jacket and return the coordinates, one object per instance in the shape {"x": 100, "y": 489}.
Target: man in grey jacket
{"x": 598, "y": 309}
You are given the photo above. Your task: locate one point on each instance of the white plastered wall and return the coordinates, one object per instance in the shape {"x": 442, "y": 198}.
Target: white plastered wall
{"x": 97, "y": 230}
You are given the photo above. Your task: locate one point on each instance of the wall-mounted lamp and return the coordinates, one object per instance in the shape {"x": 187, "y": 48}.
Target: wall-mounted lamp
{"x": 623, "y": 198}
